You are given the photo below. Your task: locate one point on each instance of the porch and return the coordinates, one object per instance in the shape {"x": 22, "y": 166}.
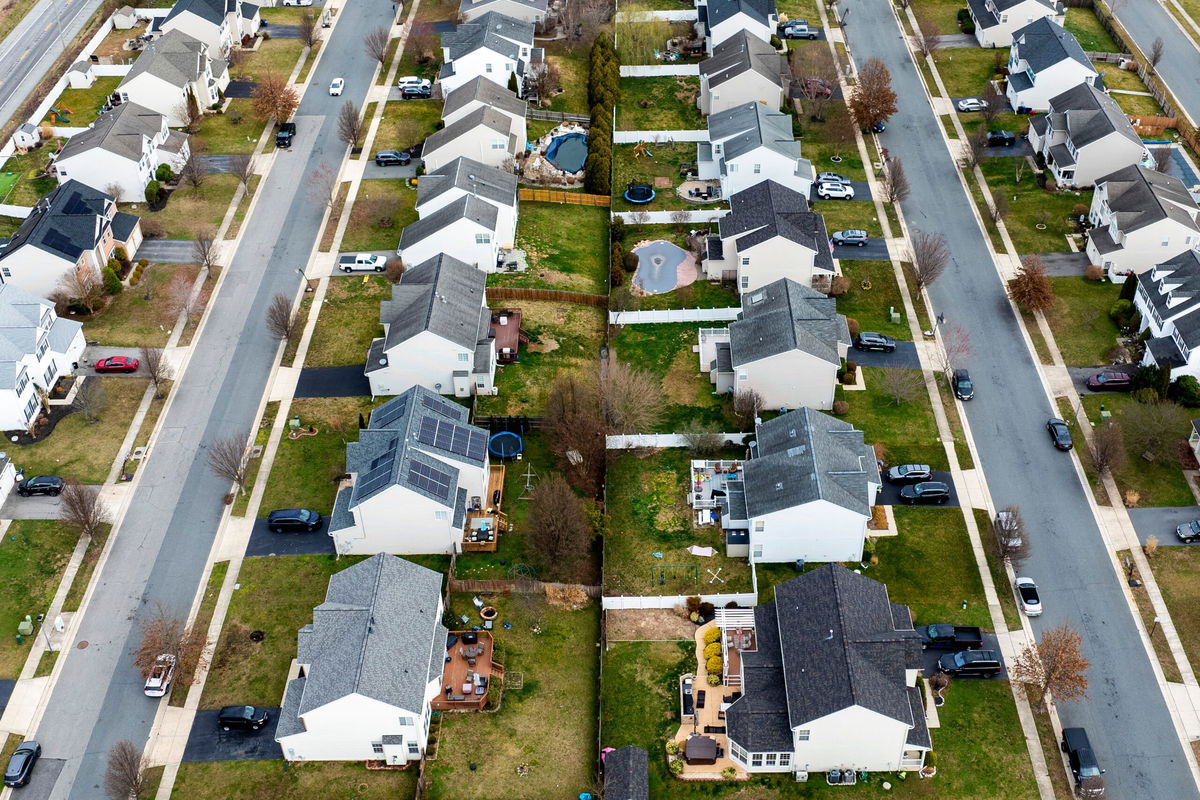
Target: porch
{"x": 707, "y": 720}
{"x": 485, "y": 521}
{"x": 468, "y": 672}
{"x": 710, "y": 481}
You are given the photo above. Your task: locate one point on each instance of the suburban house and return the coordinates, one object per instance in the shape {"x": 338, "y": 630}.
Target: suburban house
{"x": 626, "y": 773}
{"x": 1084, "y": 136}
{"x": 478, "y": 93}
{"x": 743, "y": 69}
{"x": 721, "y": 19}
{"x": 806, "y": 491}
{"x": 436, "y": 332}
{"x": 464, "y": 228}
{"x": 1168, "y": 298}
{"x": 367, "y": 668}
{"x": 493, "y": 45}
{"x": 37, "y": 347}
{"x": 525, "y": 10}
{"x": 996, "y": 21}
{"x": 220, "y": 24}
{"x": 466, "y": 177}
{"x": 787, "y": 344}
{"x": 769, "y": 234}
{"x": 416, "y": 469}
{"x": 1044, "y": 61}
{"x": 73, "y": 227}
{"x": 486, "y": 134}
{"x": 1193, "y": 441}
{"x": 751, "y": 143}
{"x": 829, "y": 680}
{"x": 1140, "y": 218}
{"x": 174, "y": 70}
{"x": 121, "y": 151}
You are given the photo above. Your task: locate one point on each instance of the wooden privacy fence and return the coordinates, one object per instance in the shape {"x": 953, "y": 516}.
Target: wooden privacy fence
{"x": 559, "y": 196}
{"x": 516, "y": 586}
{"x": 556, "y": 116}
{"x": 554, "y": 295}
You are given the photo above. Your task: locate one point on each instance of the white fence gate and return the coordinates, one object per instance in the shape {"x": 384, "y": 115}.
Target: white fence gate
{"x": 635, "y": 440}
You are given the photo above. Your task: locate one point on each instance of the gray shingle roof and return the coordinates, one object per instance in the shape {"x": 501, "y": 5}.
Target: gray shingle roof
{"x": 471, "y": 5}
{"x": 803, "y": 456}
{"x": 744, "y": 128}
{"x": 66, "y": 222}
{"x": 1139, "y": 197}
{"x": 289, "y": 719}
{"x": 740, "y": 53}
{"x": 1044, "y": 43}
{"x": 470, "y": 176}
{"x": 174, "y": 57}
{"x": 768, "y": 209}
{"x": 627, "y": 774}
{"x": 122, "y": 131}
{"x": 1088, "y": 115}
{"x": 721, "y": 10}
{"x": 487, "y": 92}
{"x": 483, "y": 116}
{"x": 376, "y": 634}
{"x": 784, "y": 316}
{"x": 758, "y": 720}
{"x": 466, "y": 207}
{"x": 1173, "y": 289}
{"x": 494, "y": 31}
{"x": 443, "y": 296}
{"x": 212, "y": 10}
{"x": 20, "y": 318}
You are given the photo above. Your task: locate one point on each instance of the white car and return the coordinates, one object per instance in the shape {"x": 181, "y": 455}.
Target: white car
{"x": 161, "y": 674}
{"x": 335, "y": 88}
{"x": 829, "y": 191}
{"x": 1027, "y": 594}
{"x": 304, "y": 3}
{"x": 972, "y": 104}
{"x": 411, "y": 81}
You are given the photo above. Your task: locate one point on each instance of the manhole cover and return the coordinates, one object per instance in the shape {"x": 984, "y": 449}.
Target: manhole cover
{"x": 82, "y": 645}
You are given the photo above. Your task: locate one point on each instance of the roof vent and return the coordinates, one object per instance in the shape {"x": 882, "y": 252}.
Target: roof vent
{"x": 779, "y": 487}
{"x": 383, "y": 361}
{"x": 829, "y": 638}
{"x": 791, "y": 433}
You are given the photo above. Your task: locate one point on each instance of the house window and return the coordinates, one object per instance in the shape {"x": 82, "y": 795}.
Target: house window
{"x": 1165, "y": 243}
{"x": 770, "y": 759}
{"x": 742, "y": 376}
{"x": 1067, "y": 174}
{"x": 757, "y": 169}
{"x": 745, "y": 261}
{"x": 30, "y": 406}
{"x": 464, "y": 357}
{"x": 802, "y": 735}
{"x": 406, "y": 722}
{"x": 785, "y": 759}
{"x": 50, "y": 373}
{"x": 508, "y": 67}
{"x": 414, "y": 749}
{"x": 759, "y": 526}
{"x": 487, "y": 67}
{"x": 498, "y": 145}
{"x": 756, "y": 759}
{"x": 732, "y": 167}
{"x": 42, "y": 346}
{"x": 745, "y": 281}
{"x": 6, "y": 272}
{"x": 441, "y": 516}
{"x": 757, "y": 552}
{"x": 62, "y": 173}
{"x": 483, "y": 238}
{"x": 377, "y": 748}
{"x": 22, "y": 382}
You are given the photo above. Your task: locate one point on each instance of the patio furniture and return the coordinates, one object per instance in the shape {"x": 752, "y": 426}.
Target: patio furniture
{"x": 700, "y": 699}
{"x": 457, "y": 698}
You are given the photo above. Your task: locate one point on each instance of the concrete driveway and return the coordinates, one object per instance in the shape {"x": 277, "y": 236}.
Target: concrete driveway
{"x": 929, "y": 658}
{"x": 167, "y": 251}
{"x": 905, "y": 357}
{"x": 1162, "y": 522}
{"x": 371, "y": 171}
{"x": 207, "y": 742}
{"x": 264, "y": 543}
{"x": 333, "y": 382}
{"x": 94, "y": 352}
{"x": 889, "y": 493}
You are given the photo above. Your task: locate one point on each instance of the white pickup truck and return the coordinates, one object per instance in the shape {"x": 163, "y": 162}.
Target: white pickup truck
{"x": 362, "y": 262}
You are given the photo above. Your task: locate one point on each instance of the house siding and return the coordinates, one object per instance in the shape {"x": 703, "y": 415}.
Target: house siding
{"x": 425, "y": 359}
{"x": 790, "y": 380}
{"x": 506, "y": 216}
{"x": 854, "y": 737}
{"x": 457, "y": 240}
{"x": 1015, "y": 18}
{"x": 477, "y": 144}
{"x": 347, "y": 729}
{"x": 750, "y": 86}
{"x": 818, "y": 531}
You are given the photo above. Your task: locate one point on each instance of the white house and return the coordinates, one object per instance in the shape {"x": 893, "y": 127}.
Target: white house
{"x": 769, "y": 234}
{"x": 493, "y": 46}
{"x": 367, "y": 667}
{"x": 1084, "y": 136}
{"x": 751, "y": 143}
{"x": 478, "y": 93}
{"x": 121, "y": 151}
{"x": 743, "y": 69}
{"x": 220, "y": 24}
{"x": 1140, "y": 218}
{"x": 464, "y": 228}
{"x": 485, "y": 134}
{"x": 525, "y": 10}
{"x": 828, "y": 679}
{"x": 721, "y": 19}
{"x": 1044, "y": 61}
{"x": 1168, "y": 298}
{"x": 997, "y": 20}
{"x": 37, "y": 347}
{"x": 787, "y": 344}
{"x": 464, "y": 177}
{"x": 73, "y": 227}
{"x": 174, "y": 70}
{"x": 437, "y": 332}
{"x": 415, "y": 471}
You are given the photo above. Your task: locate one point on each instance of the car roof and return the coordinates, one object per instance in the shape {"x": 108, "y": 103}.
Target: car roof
{"x": 928, "y": 485}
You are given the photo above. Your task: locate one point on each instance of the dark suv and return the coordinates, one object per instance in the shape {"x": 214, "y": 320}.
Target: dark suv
{"x": 391, "y": 158}
{"x": 971, "y": 664}
{"x": 285, "y": 134}
{"x": 42, "y": 484}
{"x": 928, "y": 492}
{"x": 874, "y": 341}
{"x": 1085, "y": 769}
{"x": 246, "y": 718}
{"x": 963, "y": 388}
{"x": 1001, "y": 138}
{"x": 293, "y": 520}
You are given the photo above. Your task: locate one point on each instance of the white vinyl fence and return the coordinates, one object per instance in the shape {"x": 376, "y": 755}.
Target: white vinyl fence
{"x": 658, "y": 70}
{"x": 667, "y": 217}
{"x": 608, "y": 602}
{"x": 20, "y": 212}
{"x": 673, "y": 315}
{"x": 639, "y": 440}
{"x": 682, "y": 15}
{"x": 659, "y": 137}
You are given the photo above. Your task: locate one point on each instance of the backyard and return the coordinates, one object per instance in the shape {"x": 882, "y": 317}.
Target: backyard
{"x": 19, "y": 182}
{"x": 82, "y": 106}
{"x": 33, "y": 555}
{"x": 660, "y": 160}
{"x": 130, "y": 320}
{"x": 907, "y": 431}
{"x": 659, "y": 104}
{"x": 1029, "y": 206}
{"x": 252, "y": 780}
{"x": 572, "y": 63}
{"x": 348, "y": 322}
{"x": 566, "y": 245}
{"x": 1082, "y": 328}
{"x": 383, "y": 208}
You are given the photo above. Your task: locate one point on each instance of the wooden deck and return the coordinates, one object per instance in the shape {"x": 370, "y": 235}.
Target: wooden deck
{"x": 488, "y": 518}
{"x": 506, "y": 329}
{"x": 466, "y": 678}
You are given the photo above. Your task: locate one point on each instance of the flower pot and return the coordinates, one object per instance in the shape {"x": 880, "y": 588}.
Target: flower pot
{"x": 836, "y": 159}
{"x": 1040, "y": 226}
{"x": 928, "y": 772}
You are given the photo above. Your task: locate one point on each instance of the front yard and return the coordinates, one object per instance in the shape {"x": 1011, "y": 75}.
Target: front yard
{"x": 349, "y": 321}
{"x": 566, "y": 245}
{"x": 130, "y": 320}
{"x": 383, "y": 208}
{"x": 907, "y": 431}
{"x": 966, "y": 70}
{"x": 190, "y": 208}
{"x": 1082, "y": 328}
{"x": 237, "y": 130}
{"x": 659, "y": 104}
{"x": 317, "y": 780}
{"x": 33, "y": 554}
{"x": 277, "y": 56}
{"x": 1029, "y": 205}
{"x": 842, "y": 215}
{"x": 1177, "y": 571}
{"x": 870, "y": 306}
{"x": 406, "y": 123}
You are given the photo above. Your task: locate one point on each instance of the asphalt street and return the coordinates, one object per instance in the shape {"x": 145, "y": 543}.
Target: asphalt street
{"x": 1124, "y": 713}
{"x": 163, "y": 542}
{"x": 1147, "y": 20}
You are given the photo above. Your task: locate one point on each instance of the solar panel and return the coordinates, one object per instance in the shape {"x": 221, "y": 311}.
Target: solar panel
{"x": 428, "y": 432}
{"x": 440, "y": 406}
{"x": 374, "y": 480}
{"x": 477, "y": 447}
{"x": 430, "y": 480}
{"x": 388, "y": 455}
{"x": 388, "y": 413}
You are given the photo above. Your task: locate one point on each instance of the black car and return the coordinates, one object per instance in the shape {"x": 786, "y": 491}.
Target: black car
{"x": 1001, "y": 138}
{"x": 874, "y": 341}
{"x": 909, "y": 473}
{"x": 971, "y": 664}
{"x": 928, "y": 492}
{"x": 1060, "y": 434}
{"x": 416, "y": 93}
{"x": 241, "y": 718}
{"x": 285, "y": 134}
{"x": 293, "y": 520}
{"x": 42, "y": 484}
{"x": 1085, "y": 768}
{"x": 392, "y": 158}
{"x": 20, "y": 764}
{"x": 963, "y": 388}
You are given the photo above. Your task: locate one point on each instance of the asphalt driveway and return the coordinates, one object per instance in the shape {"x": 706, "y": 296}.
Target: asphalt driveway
{"x": 167, "y": 251}
{"x": 39, "y": 506}
{"x": 889, "y": 493}
{"x": 929, "y": 658}
{"x": 1020, "y": 148}
{"x": 333, "y": 382}
{"x": 372, "y": 171}
{"x": 874, "y": 250}
{"x": 207, "y": 742}
{"x": 240, "y": 88}
{"x": 1162, "y": 522}
{"x": 264, "y": 543}
{"x": 6, "y": 690}
{"x": 93, "y": 353}
{"x": 1068, "y": 265}
{"x": 905, "y": 357}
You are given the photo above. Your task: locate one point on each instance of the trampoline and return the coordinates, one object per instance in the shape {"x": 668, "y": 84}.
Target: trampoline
{"x": 658, "y": 266}
{"x": 568, "y": 152}
{"x": 639, "y": 193}
{"x": 506, "y": 445}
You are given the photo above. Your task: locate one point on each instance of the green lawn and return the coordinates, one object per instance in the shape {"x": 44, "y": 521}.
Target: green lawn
{"x": 274, "y": 55}
{"x": 699, "y": 294}
{"x": 816, "y": 147}
{"x": 1031, "y": 205}
{"x": 572, "y": 66}
{"x": 870, "y": 306}
{"x": 659, "y": 104}
{"x": 230, "y": 133}
{"x": 130, "y": 320}
{"x": 798, "y": 9}
{"x": 349, "y": 321}
{"x": 315, "y": 780}
{"x": 1088, "y": 31}
{"x": 33, "y": 555}
{"x": 84, "y": 104}
{"x": 663, "y": 161}
{"x": 190, "y": 207}
{"x": 25, "y": 188}
{"x": 1082, "y": 328}
{"x": 648, "y": 513}
{"x": 1138, "y": 105}
{"x": 842, "y": 214}
{"x": 942, "y": 13}
{"x": 383, "y": 208}
{"x": 567, "y": 247}
{"x": 908, "y": 430}
{"x": 9, "y": 226}
{"x": 966, "y": 70}
{"x": 1177, "y": 571}
{"x": 407, "y": 123}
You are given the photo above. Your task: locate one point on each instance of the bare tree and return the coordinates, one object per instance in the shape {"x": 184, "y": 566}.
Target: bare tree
{"x": 204, "y": 246}
{"x": 1156, "y": 53}
{"x": 639, "y": 33}
{"x": 158, "y": 368}
{"x": 83, "y": 508}
{"x": 189, "y": 113}
{"x": 575, "y": 429}
{"x": 228, "y": 457}
{"x": 82, "y": 287}
{"x": 179, "y": 301}
{"x": 1010, "y": 536}
{"x": 631, "y": 399}
{"x": 1055, "y": 666}
{"x": 839, "y": 130}
{"x": 281, "y": 321}
{"x": 815, "y": 73}
{"x": 558, "y": 530}
{"x": 90, "y": 399}
{"x": 747, "y": 405}
{"x": 114, "y": 190}
{"x": 582, "y": 19}
{"x": 895, "y": 182}
{"x": 955, "y": 348}
{"x": 929, "y": 255}
{"x": 242, "y": 166}
{"x": 274, "y": 98}
{"x": 999, "y": 207}
{"x": 125, "y": 772}
{"x": 701, "y": 439}
{"x": 167, "y": 633}
{"x": 1106, "y": 450}
{"x": 972, "y": 150}
{"x": 925, "y": 36}
{"x": 902, "y": 385}
{"x": 1154, "y": 429}
{"x": 1031, "y": 290}
{"x": 376, "y": 43}
{"x": 321, "y": 186}
{"x": 873, "y": 99}
{"x": 996, "y": 101}
{"x": 309, "y": 31}
{"x": 350, "y": 125}
{"x": 545, "y": 82}
{"x": 194, "y": 172}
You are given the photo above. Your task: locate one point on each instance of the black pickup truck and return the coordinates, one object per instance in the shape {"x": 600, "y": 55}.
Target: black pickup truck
{"x": 950, "y": 637}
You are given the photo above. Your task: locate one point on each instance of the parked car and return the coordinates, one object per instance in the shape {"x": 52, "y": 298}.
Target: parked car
{"x": 879, "y": 126}
{"x": 909, "y": 473}
{"x": 950, "y": 637}
{"x": 392, "y": 158}
{"x": 1085, "y": 768}
{"x": 20, "y": 763}
{"x": 926, "y": 493}
{"x": 1060, "y": 434}
{"x": 41, "y": 484}
{"x": 832, "y": 177}
{"x": 797, "y": 29}
{"x": 303, "y": 3}
{"x": 413, "y": 80}
{"x": 835, "y": 191}
{"x": 161, "y": 675}
{"x": 816, "y": 87}
{"x": 1001, "y": 138}
{"x": 416, "y": 93}
{"x": 1027, "y": 593}
{"x": 241, "y": 718}
{"x": 336, "y": 86}
{"x": 1188, "y": 531}
{"x": 971, "y": 104}
{"x": 117, "y": 364}
{"x": 867, "y": 340}
{"x": 285, "y": 134}
{"x": 1007, "y": 529}
{"x": 963, "y": 388}
{"x": 293, "y": 520}
{"x": 971, "y": 664}
{"x": 1110, "y": 381}
{"x": 853, "y": 236}
{"x": 362, "y": 262}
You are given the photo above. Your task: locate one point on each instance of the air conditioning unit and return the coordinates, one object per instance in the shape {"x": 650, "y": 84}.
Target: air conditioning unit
{"x": 802, "y": 776}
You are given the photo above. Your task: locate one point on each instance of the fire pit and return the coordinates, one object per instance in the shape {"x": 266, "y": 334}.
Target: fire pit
{"x": 488, "y": 612}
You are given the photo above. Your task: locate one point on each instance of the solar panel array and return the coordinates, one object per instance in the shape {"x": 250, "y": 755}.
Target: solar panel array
{"x": 429, "y": 479}
{"x": 380, "y": 471}
{"x": 459, "y": 439}
{"x": 388, "y": 413}
{"x": 441, "y": 406}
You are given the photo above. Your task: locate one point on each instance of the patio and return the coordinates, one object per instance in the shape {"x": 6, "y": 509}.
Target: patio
{"x": 710, "y": 480}
{"x": 708, "y": 719}
{"x": 700, "y": 192}
{"x": 506, "y": 329}
{"x": 469, "y": 671}
{"x": 485, "y": 523}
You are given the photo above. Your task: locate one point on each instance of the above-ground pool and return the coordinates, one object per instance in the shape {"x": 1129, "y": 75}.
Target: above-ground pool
{"x": 568, "y": 152}
{"x": 659, "y": 265}
{"x": 639, "y": 193}
{"x": 506, "y": 445}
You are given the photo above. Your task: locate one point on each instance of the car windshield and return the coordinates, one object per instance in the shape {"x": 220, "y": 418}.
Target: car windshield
{"x": 960, "y": 659}
{"x": 305, "y": 515}
{"x": 940, "y": 630}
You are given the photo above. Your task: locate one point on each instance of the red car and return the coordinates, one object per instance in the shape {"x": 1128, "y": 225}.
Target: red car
{"x": 117, "y": 364}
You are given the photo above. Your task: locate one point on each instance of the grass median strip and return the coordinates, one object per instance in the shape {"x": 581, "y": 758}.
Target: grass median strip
{"x": 83, "y": 576}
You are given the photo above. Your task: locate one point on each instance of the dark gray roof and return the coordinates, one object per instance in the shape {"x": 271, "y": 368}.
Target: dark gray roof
{"x": 212, "y": 10}
{"x": 470, "y": 5}
{"x": 1166, "y": 352}
{"x": 482, "y": 116}
{"x": 724, "y": 358}
{"x": 443, "y": 296}
{"x": 66, "y": 222}
{"x": 341, "y": 518}
{"x": 1138, "y": 197}
{"x": 744, "y": 128}
{"x": 377, "y": 635}
{"x": 122, "y": 131}
{"x": 289, "y": 714}
{"x": 1044, "y": 43}
{"x": 784, "y": 316}
{"x": 989, "y": 19}
{"x": 768, "y": 209}
{"x": 1088, "y": 115}
{"x": 740, "y": 53}
{"x": 721, "y": 10}
{"x": 470, "y": 176}
{"x": 123, "y": 225}
{"x": 758, "y": 720}
{"x": 174, "y": 57}
{"x": 466, "y": 207}
{"x": 1019, "y": 81}
{"x": 627, "y": 774}
{"x": 491, "y": 30}
{"x": 805, "y": 455}
{"x": 1061, "y": 155}
{"x": 983, "y": 15}
{"x": 485, "y": 91}
{"x": 1173, "y": 287}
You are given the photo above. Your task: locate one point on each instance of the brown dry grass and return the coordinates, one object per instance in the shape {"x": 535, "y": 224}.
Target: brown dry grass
{"x": 679, "y": 384}
{"x": 648, "y": 625}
